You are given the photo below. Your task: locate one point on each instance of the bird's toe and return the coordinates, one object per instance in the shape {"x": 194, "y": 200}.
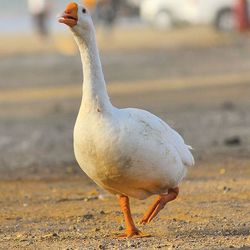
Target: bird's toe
{"x": 133, "y": 234}
{"x": 143, "y": 222}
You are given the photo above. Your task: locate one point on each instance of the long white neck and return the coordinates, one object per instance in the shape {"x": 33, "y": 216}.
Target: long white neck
{"x": 95, "y": 96}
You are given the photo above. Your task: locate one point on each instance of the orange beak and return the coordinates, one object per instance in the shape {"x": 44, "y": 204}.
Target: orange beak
{"x": 70, "y": 17}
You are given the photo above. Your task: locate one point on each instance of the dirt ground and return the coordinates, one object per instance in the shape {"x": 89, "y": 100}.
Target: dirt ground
{"x": 212, "y": 212}
{"x": 199, "y": 86}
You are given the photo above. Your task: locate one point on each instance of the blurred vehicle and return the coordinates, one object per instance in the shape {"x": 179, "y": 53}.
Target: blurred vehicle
{"x": 166, "y": 13}
{"x": 135, "y": 3}
{"x": 107, "y": 11}
{"x": 242, "y": 14}
{"x": 162, "y": 13}
{"x": 220, "y": 13}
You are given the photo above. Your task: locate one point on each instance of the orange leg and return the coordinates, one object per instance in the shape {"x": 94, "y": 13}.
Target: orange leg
{"x": 159, "y": 204}
{"x": 131, "y": 229}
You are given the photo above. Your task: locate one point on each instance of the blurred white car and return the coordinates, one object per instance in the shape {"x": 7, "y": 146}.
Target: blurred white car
{"x": 166, "y": 13}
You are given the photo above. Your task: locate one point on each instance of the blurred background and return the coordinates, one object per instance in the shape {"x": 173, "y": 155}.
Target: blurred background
{"x": 185, "y": 60}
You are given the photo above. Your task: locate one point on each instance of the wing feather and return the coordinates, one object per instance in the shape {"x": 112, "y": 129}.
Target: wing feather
{"x": 173, "y": 137}
{"x": 183, "y": 149}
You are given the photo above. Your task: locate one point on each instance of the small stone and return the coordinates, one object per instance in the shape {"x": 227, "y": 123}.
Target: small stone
{"x": 79, "y": 219}
{"x": 102, "y": 212}
{"x": 121, "y": 228}
{"x": 132, "y": 245}
{"x": 88, "y": 216}
{"x": 228, "y": 105}
{"x": 29, "y": 243}
{"x": 50, "y": 235}
{"x": 232, "y": 141}
{"x": 226, "y": 189}
{"x": 91, "y": 198}
{"x": 55, "y": 235}
{"x": 101, "y": 197}
{"x": 19, "y": 236}
{"x": 72, "y": 227}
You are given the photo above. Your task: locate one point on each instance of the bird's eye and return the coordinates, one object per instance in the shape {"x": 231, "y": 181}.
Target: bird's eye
{"x": 84, "y": 10}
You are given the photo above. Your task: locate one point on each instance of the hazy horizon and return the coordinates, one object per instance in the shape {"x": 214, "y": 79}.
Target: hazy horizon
{"x": 16, "y": 18}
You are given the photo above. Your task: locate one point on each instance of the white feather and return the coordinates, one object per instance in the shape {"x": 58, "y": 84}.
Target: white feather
{"x": 126, "y": 151}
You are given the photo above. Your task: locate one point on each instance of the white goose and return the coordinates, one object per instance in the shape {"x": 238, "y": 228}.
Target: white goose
{"x": 128, "y": 152}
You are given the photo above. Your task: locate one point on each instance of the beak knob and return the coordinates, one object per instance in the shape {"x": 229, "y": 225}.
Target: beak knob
{"x": 70, "y": 15}
{"x": 71, "y": 8}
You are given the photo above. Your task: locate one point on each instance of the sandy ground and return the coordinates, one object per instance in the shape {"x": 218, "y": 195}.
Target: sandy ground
{"x": 212, "y": 212}
{"x": 200, "y": 86}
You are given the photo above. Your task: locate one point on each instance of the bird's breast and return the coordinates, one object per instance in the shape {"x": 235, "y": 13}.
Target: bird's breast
{"x": 98, "y": 150}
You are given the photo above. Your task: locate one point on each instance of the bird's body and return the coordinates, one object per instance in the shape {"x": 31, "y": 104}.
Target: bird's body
{"x": 128, "y": 152}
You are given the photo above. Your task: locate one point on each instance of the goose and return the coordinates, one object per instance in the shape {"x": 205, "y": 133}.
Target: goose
{"x": 128, "y": 152}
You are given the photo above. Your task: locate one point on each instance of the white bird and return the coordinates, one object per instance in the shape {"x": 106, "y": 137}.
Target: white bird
{"x": 128, "y": 152}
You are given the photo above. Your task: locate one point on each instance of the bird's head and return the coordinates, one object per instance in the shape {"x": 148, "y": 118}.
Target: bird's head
{"x": 77, "y": 18}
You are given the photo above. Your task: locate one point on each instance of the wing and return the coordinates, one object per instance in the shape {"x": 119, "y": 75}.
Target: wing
{"x": 170, "y": 134}
{"x": 184, "y": 150}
